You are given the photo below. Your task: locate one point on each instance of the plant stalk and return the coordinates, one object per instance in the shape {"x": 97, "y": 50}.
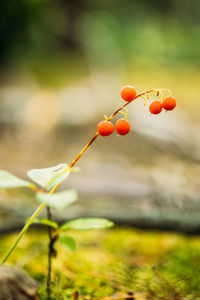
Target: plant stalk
{"x": 38, "y": 210}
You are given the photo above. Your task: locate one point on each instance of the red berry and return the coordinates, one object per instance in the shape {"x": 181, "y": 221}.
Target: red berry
{"x": 169, "y": 103}
{"x": 155, "y": 107}
{"x": 122, "y": 126}
{"x": 105, "y": 128}
{"x": 128, "y": 93}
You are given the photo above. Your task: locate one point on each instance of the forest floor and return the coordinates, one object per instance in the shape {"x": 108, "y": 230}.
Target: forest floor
{"x": 113, "y": 263}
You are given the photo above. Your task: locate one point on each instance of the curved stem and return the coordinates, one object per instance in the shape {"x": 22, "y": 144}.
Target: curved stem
{"x": 97, "y": 134}
{"x": 38, "y": 210}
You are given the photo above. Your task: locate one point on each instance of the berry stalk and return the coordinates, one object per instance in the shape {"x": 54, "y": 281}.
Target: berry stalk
{"x": 97, "y": 134}
{"x": 128, "y": 95}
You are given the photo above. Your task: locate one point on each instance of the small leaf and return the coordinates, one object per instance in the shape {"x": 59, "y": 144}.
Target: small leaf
{"x": 58, "y": 200}
{"x": 9, "y": 181}
{"x": 68, "y": 242}
{"x": 87, "y": 224}
{"x": 47, "y": 222}
{"x": 49, "y": 177}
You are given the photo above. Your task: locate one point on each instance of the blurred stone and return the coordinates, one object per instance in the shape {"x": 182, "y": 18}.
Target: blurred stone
{"x": 16, "y": 285}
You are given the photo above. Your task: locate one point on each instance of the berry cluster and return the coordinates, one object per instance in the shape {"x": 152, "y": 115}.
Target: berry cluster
{"x": 106, "y": 128}
{"x": 128, "y": 93}
{"x": 168, "y": 103}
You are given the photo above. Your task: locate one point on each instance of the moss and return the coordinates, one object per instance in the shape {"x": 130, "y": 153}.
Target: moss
{"x": 157, "y": 265}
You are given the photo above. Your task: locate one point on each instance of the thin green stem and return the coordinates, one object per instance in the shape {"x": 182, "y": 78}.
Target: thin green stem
{"x": 23, "y": 231}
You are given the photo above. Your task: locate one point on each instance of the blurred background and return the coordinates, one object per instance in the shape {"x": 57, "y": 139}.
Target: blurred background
{"x": 62, "y": 65}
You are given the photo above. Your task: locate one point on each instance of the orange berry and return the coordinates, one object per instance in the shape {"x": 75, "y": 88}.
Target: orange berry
{"x": 155, "y": 107}
{"x": 105, "y": 128}
{"x": 128, "y": 93}
{"x": 122, "y": 126}
{"x": 169, "y": 103}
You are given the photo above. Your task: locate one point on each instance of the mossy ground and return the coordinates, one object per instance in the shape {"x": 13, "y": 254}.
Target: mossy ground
{"x": 120, "y": 260}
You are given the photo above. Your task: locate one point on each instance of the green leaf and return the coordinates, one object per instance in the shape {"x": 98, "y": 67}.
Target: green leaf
{"x": 47, "y": 222}
{"x": 87, "y": 224}
{"x": 58, "y": 200}
{"x": 9, "y": 181}
{"x": 49, "y": 177}
{"x": 68, "y": 242}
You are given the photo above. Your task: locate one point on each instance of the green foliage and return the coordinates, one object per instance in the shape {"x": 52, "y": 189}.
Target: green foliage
{"x": 8, "y": 181}
{"x": 87, "y": 224}
{"x": 169, "y": 29}
{"x": 58, "y": 200}
{"x": 68, "y": 242}
{"x": 114, "y": 261}
{"x": 47, "y": 222}
{"x": 179, "y": 267}
{"x": 49, "y": 177}
{"x": 22, "y": 15}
